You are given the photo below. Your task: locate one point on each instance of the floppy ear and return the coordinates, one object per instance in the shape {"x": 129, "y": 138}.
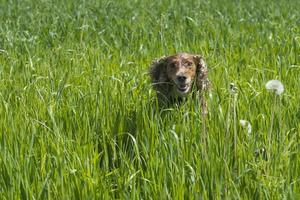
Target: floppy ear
{"x": 202, "y": 81}
{"x": 158, "y": 70}
{"x": 201, "y": 74}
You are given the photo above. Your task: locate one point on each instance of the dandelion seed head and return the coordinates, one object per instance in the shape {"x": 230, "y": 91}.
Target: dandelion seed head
{"x": 73, "y": 171}
{"x": 233, "y": 88}
{"x": 210, "y": 95}
{"x": 243, "y": 122}
{"x": 246, "y": 124}
{"x": 261, "y": 152}
{"x": 275, "y": 85}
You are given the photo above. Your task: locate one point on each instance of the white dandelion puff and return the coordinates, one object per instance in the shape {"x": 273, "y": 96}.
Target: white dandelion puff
{"x": 73, "y": 171}
{"x": 246, "y": 124}
{"x": 275, "y": 85}
{"x": 233, "y": 88}
{"x": 210, "y": 95}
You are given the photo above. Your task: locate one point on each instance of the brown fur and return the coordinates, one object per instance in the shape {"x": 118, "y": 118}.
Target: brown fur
{"x": 165, "y": 75}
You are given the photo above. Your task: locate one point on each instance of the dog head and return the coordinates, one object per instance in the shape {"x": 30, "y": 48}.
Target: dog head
{"x": 180, "y": 71}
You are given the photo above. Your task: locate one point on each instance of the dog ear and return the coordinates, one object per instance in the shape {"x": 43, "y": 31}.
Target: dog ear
{"x": 201, "y": 74}
{"x": 202, "y": 81}
{"x": 158, "y": 70}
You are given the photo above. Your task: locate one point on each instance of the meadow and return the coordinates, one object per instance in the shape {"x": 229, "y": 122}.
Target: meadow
{"x": 80, "y": 120}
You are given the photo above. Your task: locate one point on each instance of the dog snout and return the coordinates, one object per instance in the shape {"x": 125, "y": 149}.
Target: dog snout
{"x": 181, "y": 79}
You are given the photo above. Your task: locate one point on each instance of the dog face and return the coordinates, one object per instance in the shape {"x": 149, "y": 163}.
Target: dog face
{"x": 174, "y": 76}
{"x": 181, "y": 71}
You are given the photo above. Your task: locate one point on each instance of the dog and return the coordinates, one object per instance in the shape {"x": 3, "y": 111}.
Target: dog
{"x": 174, "y": 77}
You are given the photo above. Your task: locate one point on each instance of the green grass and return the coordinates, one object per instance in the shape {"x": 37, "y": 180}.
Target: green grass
{"x": 79, "y": 118}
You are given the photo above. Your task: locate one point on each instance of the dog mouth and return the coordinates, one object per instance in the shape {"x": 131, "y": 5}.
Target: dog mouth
{"x": 183, "y": 88}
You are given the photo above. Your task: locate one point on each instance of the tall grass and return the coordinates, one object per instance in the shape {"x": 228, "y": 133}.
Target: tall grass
{"x": 79, "y": 118}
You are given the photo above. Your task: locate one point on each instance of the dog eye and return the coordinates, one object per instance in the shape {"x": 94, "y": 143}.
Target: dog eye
{"x": 172, "y": 65}
{"x": 189, "y": 64}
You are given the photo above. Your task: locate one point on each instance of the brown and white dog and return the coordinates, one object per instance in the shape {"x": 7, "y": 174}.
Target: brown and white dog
{"x": 173, "y": 77}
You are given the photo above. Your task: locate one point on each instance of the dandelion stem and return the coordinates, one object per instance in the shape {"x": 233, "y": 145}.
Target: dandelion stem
{"x": 271, "y": 129}
{"x": 234, "y": 95}
{"x": 235, "y": 127}
{"x": 203, "y": 115}
{"x": 227, "y": 128}
{"x": 235, "y": 132}
{"x": 278, "y": 88}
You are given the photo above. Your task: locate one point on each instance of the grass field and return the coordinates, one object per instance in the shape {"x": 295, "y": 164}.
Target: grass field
{"x": 79, "y": 118}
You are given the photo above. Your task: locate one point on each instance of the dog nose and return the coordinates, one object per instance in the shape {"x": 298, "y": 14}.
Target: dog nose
{"x": 181, "y": 78}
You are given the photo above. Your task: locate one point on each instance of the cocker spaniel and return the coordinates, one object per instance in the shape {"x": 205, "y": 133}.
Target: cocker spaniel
{"x": 174, "y": 77}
